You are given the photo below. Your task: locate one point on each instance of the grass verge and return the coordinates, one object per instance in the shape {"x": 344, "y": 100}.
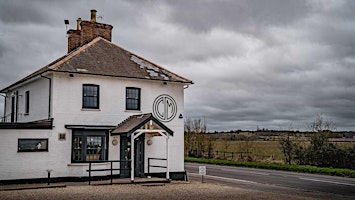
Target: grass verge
{"x": 285, "y": 167}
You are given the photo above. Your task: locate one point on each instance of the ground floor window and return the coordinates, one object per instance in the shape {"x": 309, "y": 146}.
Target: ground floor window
{"x": 89, "y": 145}
{"x": 27, "y": 145}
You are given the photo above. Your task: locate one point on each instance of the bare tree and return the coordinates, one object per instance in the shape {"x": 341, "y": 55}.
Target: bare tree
{"x": 321, "y": 125}
{"x": 195, "y": 130}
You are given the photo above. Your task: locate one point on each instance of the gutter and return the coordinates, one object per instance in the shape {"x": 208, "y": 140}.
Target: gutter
{"x": 49, "y": 95}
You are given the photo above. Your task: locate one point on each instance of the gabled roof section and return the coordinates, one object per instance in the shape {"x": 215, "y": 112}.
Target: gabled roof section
{"x": 135, "y": 122}
{"x": 102, "y": 57}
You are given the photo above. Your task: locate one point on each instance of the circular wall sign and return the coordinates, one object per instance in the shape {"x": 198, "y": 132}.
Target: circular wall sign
{"x": 164, "y": 108}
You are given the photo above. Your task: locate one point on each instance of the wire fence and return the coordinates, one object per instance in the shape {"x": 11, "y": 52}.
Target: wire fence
{"x": 229, "y": 155}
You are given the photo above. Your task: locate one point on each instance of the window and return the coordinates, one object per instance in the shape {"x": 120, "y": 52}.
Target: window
{"x": 91, "y": 96}
{"x": 133, "y": 98}
{"x": 89, "y": 145}
{"x": 27, "y": 102}
{"x": 29, "y": 145}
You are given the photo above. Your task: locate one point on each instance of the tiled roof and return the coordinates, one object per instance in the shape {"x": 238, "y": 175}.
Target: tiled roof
{"x": 102, "y": 57}
{"x": 135, "y": 122}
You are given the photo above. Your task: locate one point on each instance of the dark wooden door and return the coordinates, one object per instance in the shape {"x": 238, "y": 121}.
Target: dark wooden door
{"x": 125, "y": 157}
{"x": 139, "y": 156}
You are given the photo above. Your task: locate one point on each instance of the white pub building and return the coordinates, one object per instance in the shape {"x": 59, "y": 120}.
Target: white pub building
{"x": 97, "y": 104}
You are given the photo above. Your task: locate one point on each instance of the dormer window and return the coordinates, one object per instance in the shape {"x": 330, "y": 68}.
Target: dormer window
{"x": 91, "y": 96}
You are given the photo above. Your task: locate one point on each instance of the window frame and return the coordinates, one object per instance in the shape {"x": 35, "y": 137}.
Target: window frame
{"x": 34, "y": 147}
{"x": 138, "y": 99}
{"x": 27, "y": 102}
{"x": 81, "y": 157}
{"x": 97, "y": 96}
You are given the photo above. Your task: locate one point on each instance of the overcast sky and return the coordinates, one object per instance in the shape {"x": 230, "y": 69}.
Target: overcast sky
{"x": 270, "y": 64}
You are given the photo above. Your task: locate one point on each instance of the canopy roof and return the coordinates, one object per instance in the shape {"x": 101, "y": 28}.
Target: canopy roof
{"x": 145, "y": 122}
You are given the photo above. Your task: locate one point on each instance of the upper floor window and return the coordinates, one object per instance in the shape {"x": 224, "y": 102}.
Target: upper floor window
{"x": 27, "y": 102}
{"x": 91, "y": 96}
{"x": 133, "y": 98}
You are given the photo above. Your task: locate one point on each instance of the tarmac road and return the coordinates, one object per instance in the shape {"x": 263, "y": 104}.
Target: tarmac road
{"x": 282, "y": 182}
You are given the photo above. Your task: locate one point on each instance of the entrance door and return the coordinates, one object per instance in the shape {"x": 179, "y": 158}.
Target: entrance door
{"x": 125, "y": 156}
{"x": 139, "y": 156}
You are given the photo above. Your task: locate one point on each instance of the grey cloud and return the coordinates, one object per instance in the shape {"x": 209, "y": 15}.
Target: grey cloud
{"x": 245, "y": 15}
{"x": 21, "y": 12}
{"x": 255, "y": 63}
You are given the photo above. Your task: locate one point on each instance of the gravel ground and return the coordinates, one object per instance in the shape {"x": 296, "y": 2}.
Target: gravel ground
{"x": 174, "y": 190}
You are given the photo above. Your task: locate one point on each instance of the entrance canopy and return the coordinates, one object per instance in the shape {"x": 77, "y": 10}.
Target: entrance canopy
{"x": 141, "y": 123}
{"x": 137, "y": 125}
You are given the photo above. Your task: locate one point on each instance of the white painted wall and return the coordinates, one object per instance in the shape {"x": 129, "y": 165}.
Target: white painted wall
{"x": 39, "y": 100}
{"x": 67, "y": 109}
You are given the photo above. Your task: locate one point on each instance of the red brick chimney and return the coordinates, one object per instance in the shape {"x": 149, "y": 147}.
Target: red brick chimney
{"x": 86, "y": 31}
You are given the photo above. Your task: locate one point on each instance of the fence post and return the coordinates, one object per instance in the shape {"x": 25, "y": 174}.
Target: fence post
{"x": 148, "y": 165}
{"x": 111, "y": 173}
{"x": 89, "y": 172}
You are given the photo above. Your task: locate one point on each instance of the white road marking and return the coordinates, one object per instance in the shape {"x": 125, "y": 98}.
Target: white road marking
{"x": 325, "y": 181}
{"x": 229, "y": 179}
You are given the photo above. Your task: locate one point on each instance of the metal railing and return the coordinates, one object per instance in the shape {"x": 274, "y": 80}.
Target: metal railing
{"x": 157, "y": 166}
{"x": 6, "y": 118}
{"x": 110, "y": 169}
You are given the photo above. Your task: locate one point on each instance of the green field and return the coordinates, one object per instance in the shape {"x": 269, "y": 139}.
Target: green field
{"x": 260, "y": 149}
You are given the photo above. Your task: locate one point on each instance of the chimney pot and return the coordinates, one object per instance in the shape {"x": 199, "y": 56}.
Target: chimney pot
{"x": 93, "y": 15}
{"x": 78, "y": 26}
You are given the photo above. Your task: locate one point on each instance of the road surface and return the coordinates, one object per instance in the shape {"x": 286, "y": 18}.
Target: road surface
{"x": 283, "y": 182}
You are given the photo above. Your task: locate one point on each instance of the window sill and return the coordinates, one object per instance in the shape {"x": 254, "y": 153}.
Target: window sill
{"x": 87, "y": 164}
{"x": 134, "y": 111}
{"x": 90, "y": 109}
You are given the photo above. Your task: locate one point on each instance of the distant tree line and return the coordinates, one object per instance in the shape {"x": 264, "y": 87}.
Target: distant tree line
{"x": 319, "y": 151}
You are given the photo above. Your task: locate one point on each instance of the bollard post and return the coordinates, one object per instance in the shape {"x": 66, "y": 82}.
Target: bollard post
{"x": 49, "y": 176}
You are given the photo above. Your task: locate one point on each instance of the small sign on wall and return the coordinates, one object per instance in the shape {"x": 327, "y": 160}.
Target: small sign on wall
{"x": 61, "y": 136}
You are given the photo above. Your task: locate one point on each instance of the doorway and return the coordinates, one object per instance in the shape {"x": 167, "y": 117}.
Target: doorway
{"x": 125, "y": 156}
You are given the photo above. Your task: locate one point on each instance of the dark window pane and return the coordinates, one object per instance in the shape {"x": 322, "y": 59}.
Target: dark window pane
{"x": 132, "y": 98}
{"x": 91, "y": 96}
{"x": 89, "y": 146}
{"x": 32, "y": 145}
{"x": 27, "y": 102}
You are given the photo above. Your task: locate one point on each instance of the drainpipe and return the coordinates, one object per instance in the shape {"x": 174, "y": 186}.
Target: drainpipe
{"x": 49, "y": 95}
{"x": 4, "y": 95}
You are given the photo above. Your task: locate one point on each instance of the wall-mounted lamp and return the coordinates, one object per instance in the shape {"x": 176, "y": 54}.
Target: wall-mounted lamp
{"x": 149, "y": 142}
{"x": 180, "y": 116}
